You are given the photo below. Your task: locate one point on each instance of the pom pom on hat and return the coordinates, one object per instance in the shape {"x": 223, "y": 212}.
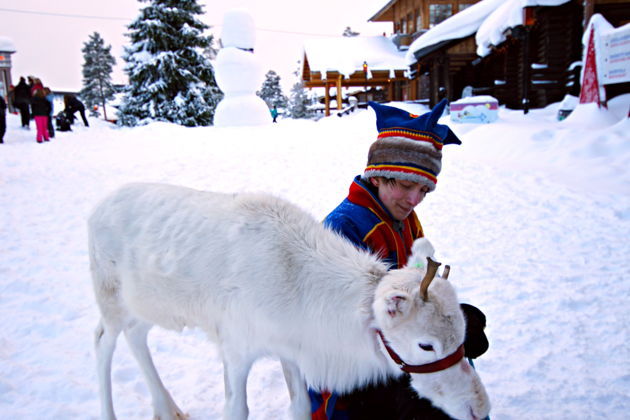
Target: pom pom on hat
{"x": 408, "y": 146}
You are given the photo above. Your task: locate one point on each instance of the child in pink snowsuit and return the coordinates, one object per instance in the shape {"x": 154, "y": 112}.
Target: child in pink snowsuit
{"x": 40, "y": 108}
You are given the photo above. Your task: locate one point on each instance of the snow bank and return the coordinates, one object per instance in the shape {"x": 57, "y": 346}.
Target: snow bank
{"x": 588, "y": 150}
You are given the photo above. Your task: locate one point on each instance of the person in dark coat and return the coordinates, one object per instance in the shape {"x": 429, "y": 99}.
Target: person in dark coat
{"x": 50, "y": 97}
{"x": 41, "y": 111}
{"x": 22, "y": 101}
{"x": 72, "y": 106}
{"x": 11, "y": 101}
{"x": 378, "y": 215}
{"x": 3, "y": 118}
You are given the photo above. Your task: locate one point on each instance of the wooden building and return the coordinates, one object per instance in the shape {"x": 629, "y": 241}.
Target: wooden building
{"x": 533, "y": 66}
{"x": 372, "y": 65}
{"x": 378, "y": 75}
{"x": 411, "y": 19}
{"x": 528, "y": 64}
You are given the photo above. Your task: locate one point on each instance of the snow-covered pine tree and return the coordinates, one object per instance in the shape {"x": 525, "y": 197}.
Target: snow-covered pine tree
{"x": 97, "y": 74}
{"x": 169, "y": 77}
{"x": 299, "y": 102}
{"x": 271, "y": 91}
{"x": 210, "y": 52}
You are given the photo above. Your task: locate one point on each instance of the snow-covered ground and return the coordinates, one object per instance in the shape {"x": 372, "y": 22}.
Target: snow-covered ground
{"x": 532, "y": 214}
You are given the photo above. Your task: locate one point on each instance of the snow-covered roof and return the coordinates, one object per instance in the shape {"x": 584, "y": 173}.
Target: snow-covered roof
{"x": 460, "y": 25}
{"x": 6, "y": 44}
{"x": 489, "y": 19}
{"x": 347, "y": 54}
{"x": 510, "y": 14}
{"x": 385, "y": 14}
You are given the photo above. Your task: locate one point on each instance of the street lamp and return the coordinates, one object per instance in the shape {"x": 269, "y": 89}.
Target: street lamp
{"x": 365, "y": 72}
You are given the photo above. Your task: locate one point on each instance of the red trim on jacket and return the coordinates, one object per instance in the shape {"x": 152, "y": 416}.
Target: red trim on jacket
{"x": 383, "y": 237}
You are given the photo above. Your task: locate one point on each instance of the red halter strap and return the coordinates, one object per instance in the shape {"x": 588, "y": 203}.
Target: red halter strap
{"x": 436, "y": 366}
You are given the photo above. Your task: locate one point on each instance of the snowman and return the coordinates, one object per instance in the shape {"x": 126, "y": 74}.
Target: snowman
{"x": 239, "y": 74}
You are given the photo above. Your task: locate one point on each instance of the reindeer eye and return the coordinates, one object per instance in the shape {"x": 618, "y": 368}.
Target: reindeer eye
{"x": 426, "y": 347}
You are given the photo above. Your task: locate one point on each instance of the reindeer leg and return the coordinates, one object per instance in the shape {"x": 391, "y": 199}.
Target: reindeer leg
{"x": 235, "y": 371}
{"x": 164, "y": 407}
{"x": 105, "y": 343}
{"x": 300, "y": 403}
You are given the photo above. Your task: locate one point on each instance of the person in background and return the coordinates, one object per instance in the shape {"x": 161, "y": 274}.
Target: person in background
{"x": 50, "y": 97}
{"x": 274, "y": 113}
{"x": 72, "y": 105}
{"x": 22, "y": 101}
{"x": 41, "y": 110}
{"x": 3, "y": 118}
{"x": 378, "y": 215}
{"x": 11, "y": 101}
{"x": 36, "y": 85}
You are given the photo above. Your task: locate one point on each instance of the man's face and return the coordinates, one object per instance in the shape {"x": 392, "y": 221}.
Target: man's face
{"x": 400, "y": 197}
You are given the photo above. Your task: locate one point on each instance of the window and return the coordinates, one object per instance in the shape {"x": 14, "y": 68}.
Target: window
{"x": 464, "y": 6}
{"x": 438, "y": 13}
{"x": 418, "y": 20}
{"x": 403, "y": 25}
{"x": 410, "y": 26}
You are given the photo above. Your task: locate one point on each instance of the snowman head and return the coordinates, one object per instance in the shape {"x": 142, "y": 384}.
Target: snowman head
{"x": 238, "y": 30}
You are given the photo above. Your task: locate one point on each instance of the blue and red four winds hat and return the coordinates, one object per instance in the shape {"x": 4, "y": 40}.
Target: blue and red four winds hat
{"x": 408, "y": 146}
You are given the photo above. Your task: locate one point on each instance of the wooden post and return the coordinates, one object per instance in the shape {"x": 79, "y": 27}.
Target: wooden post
{"x": 435, "y": 83}
{"x": 525, "y": 70}
{"x": 445, "y": 63}
{"x": 365, "y": 70}
{"x": 327, "y": 100}
{"x": 339, "y": 100}
{"x": 413, "y": 89}
{"x": 589, "y": 7}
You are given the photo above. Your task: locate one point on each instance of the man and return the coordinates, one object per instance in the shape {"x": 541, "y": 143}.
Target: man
{"x": 378, "y": 215}
{"x": 72, "y": 105}
{"x": 22, "y": 101}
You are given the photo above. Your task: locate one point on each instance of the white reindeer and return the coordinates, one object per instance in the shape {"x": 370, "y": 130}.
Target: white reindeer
{"x": 263, "y": 278}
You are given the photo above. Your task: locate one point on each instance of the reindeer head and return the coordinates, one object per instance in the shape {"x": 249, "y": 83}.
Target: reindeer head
{"x": 420, "y": 321}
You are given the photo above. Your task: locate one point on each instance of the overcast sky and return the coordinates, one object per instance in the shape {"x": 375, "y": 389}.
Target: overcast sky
{"x": 49, "y": 35}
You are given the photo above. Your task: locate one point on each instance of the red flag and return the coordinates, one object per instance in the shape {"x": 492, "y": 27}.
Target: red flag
{"x": 590, "y": 85}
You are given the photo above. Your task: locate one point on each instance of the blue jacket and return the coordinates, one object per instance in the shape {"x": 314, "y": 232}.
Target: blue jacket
{"x": 366, "y": 222}
{"x": 51, "y": 99}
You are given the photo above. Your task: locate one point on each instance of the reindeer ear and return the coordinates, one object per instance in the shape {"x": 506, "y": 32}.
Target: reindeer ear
{"x": 397, "y": 304}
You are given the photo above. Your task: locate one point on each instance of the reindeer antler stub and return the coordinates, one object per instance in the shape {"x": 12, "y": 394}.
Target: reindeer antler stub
{"x": 432, "y": 267}
{"x": 446, "y": 272}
